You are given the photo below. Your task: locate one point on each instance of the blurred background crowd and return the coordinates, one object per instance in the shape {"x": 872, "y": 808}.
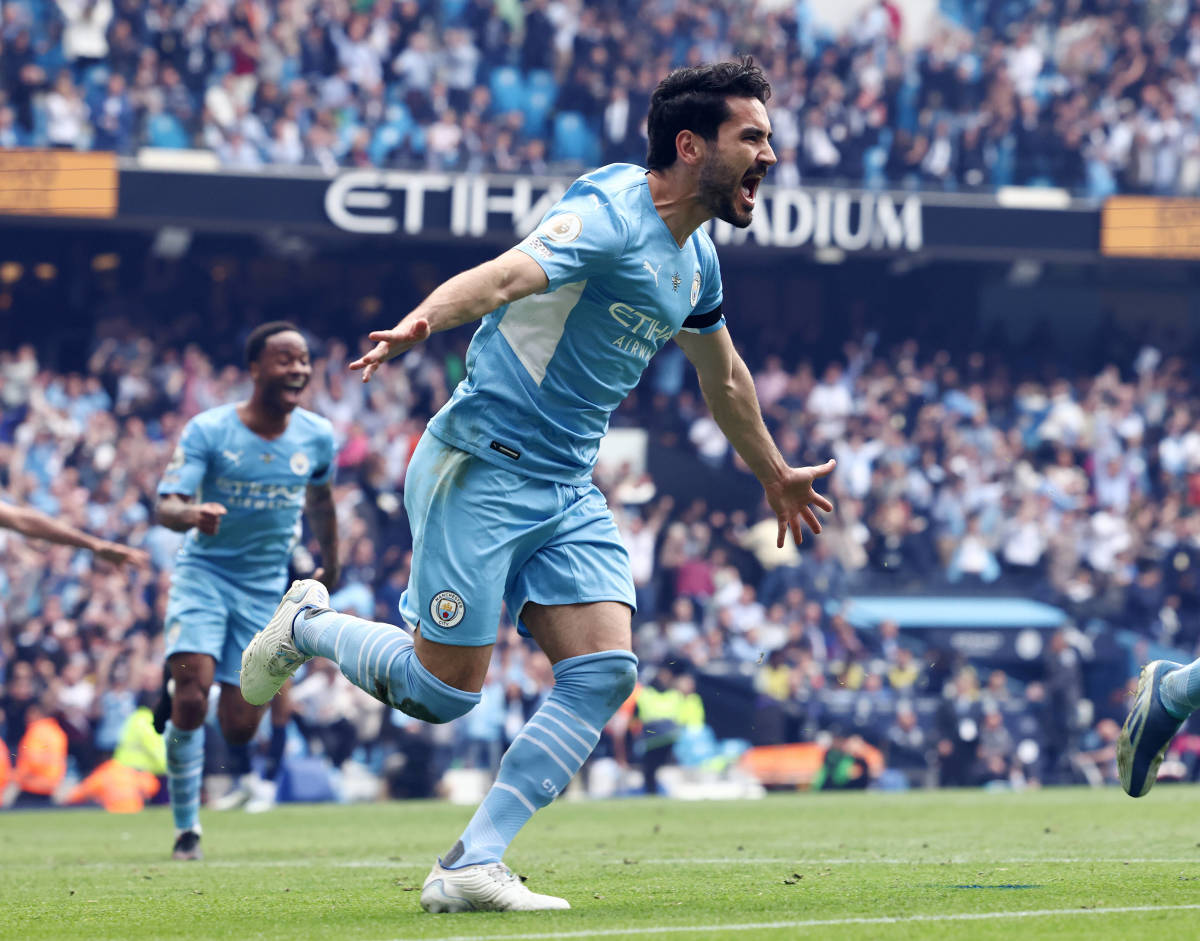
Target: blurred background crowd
{"x": 1096, "y": 96}
{"x": 955, "y": 473}
{"x": 994, "y": 437}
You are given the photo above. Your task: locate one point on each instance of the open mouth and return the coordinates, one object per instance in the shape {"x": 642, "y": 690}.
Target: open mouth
{"x": 749, "y": 188}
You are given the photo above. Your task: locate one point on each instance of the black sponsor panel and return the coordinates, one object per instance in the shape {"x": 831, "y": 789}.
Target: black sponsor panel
{"x": 501, "y": 210}
{"x": 981, "y": 232}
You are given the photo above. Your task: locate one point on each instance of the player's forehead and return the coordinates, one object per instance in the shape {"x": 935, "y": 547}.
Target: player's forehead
{"x": 746, "y": 114}
{"x": 290, "y": 342}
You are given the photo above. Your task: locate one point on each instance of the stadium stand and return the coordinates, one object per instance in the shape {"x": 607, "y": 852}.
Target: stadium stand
{"x": 959, "y": 471}
{"x": 1061, "y": 469}
{"x": 1095, "y": 97}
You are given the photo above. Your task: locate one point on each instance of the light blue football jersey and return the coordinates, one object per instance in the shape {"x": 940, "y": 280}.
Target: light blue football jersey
{"x": 260, "y": 482}
{"x": 545, "y": 372}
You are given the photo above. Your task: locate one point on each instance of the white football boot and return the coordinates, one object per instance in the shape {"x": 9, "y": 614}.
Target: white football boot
{"x": 271, "y": 657}
{"x": 487, "y": 887}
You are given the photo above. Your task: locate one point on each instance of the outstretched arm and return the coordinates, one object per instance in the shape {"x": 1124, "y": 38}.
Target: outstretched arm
{"x": 37, "y": 525}
{"x": 322, "y": 519}
{"x": 728, "y": 389}
{"x": 462, "y": 299}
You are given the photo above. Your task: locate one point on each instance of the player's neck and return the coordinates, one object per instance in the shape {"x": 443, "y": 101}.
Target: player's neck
{"x": 677, "y": 199}
{"x": 262, "y": 419}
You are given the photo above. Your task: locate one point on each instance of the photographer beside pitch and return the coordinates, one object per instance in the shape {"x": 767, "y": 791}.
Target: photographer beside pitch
{"x": 499, "y": 491}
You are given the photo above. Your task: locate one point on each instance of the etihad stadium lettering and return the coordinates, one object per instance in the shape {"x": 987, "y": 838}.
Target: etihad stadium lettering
{"x": 388, "y": 202}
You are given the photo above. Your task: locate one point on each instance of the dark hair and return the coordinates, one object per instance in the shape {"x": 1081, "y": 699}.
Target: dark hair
{"x": 260, "y": 334}
{"x": 694, "y": 99}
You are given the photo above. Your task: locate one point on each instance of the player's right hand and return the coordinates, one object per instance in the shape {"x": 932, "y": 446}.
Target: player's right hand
{"x": 207, "y": 517}
{"x": 391, "y": 343}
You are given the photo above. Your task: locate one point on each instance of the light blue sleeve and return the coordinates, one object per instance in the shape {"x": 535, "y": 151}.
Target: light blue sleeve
{"x": 579, "y": 237}
{"x": 708, "y": 312}
{"x": 188, "y": 463}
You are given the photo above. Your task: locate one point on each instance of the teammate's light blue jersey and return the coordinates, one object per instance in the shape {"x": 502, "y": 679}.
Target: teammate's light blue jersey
{"x": 545, "y": 373}
{"x": 260, "y": 482}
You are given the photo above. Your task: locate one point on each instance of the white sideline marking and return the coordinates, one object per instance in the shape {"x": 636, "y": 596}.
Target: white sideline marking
{"x": 932, "y": 860}
{"x": 816, "y": 923}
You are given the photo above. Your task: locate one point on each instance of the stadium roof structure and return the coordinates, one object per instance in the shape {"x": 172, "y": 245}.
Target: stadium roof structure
{"x": 952, "y": 612}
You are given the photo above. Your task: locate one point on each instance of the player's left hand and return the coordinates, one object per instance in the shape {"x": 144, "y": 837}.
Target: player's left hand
{"x": 328, "y": 575}
{"x": 792, "y": 498}
{"x": 391, "y": 343}
{"x": 122, "y": 555}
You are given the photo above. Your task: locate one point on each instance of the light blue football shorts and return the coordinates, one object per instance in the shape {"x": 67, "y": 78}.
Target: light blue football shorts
{"x": 208, "y": 612}
{"x": 483, "y": 535}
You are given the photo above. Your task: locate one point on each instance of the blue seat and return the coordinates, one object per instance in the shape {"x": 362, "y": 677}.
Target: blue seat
{"x": 508, "y": 89}
{"x": 164, "y": 130}
{"x": 542, "y": 80}
{"x": 449, "y": 11}
{"x": 386, "y": 139}
{"x": 573, "y": 140}
{"x": 874, "y": 161}
{"x": 536, "y": 108}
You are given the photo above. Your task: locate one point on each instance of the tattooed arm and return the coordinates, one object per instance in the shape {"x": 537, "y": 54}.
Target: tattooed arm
{"x": 322, "y": 518}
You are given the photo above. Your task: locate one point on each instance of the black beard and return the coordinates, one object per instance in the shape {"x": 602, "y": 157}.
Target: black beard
{"x": 715, "y": 194}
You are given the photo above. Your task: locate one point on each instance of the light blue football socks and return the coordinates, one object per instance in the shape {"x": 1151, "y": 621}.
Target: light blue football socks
{"x": 185, "y": 771}
{"x": 1180, "y": 691}
{"x": 379, "y": 658}
{"x": 548, "y": 752}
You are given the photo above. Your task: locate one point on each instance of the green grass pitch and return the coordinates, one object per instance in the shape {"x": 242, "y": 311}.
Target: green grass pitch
{"x": 931, "y": 865}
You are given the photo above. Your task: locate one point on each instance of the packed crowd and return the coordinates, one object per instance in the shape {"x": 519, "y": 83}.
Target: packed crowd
{"x": 1079, "y": 490}
{"x": 1094, "y": 95}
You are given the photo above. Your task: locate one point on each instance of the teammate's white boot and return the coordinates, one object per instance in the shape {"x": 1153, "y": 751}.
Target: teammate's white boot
{"x": 487, "y": 887}
{"x": 271, "y": 656}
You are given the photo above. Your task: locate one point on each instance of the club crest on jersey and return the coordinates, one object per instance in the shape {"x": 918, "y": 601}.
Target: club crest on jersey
{"x": 299, "y": 464}
{"x": 695, "y": 295}
{"x": 447, "y": 608}
{"x": 564, "y": 227}
{"x": 177, "y": 458}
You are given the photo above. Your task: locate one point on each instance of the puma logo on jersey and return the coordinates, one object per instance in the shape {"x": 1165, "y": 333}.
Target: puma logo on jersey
{"x": 653, "y": 271}
{"x": 233, "y": 457}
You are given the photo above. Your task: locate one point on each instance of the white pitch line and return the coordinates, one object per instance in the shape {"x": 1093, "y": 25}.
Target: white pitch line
{"x": 813, "y": 923}
{"x": 932, "y": 860}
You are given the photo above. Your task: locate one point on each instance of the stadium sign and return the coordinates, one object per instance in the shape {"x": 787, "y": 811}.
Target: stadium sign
{"x": 850, "y": 221}
{"x": 453, "y": 208}
{"x": 385, "y": 202}
{"x": 366, "y": 202}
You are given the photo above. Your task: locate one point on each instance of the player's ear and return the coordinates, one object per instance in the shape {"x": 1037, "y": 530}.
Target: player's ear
{"x": 690, "y": 147}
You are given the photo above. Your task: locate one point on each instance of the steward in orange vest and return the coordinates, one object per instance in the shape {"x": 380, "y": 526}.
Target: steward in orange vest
{"x": 42, "y": 754}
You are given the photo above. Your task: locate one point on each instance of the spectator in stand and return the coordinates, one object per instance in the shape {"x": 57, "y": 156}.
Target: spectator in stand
{"x": 1044, "y": 95}
{"x": 83, "y": 38}
{"x": 907, "y": 747}
{"x": 66, "y": 114}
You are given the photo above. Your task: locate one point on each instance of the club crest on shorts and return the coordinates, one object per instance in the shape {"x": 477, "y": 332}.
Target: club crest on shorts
{"x": 447, "y": 608}
{"x": 299, "y": 464}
